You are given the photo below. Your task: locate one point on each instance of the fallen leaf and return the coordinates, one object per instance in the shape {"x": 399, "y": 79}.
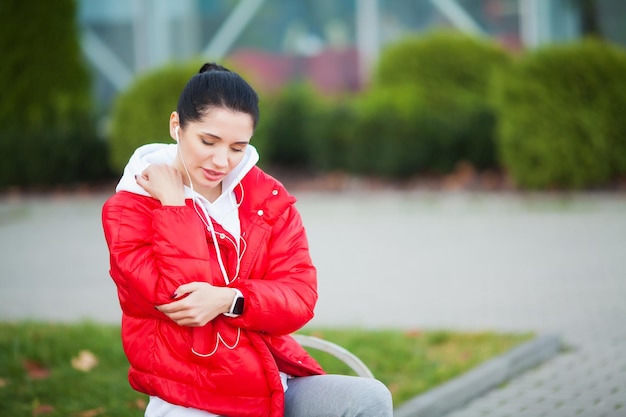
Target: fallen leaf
{"x": 413, "y": 333}
{"x": 141, "y": 403}
{"x": 43, "y": 409}
{"x": 35, "y": 370}
{"x": 85, "y": 361}
{"x": 91, "y": 413}
{"x": 393, "y": 388}
{"x": 4, "y": 382}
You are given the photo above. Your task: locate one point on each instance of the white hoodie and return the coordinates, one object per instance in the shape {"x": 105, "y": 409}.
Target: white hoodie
{"x": 223, "y": 209}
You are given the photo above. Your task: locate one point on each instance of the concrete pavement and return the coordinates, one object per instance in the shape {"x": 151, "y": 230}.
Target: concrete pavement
{"x": 415, "y": 260}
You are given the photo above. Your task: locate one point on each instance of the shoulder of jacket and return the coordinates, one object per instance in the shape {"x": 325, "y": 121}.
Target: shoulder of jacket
{"x": 126, "y": 199}
{"x": 124, "y": 202}
{"x": 264, "y": 195}
{"x": 264, "y": 185}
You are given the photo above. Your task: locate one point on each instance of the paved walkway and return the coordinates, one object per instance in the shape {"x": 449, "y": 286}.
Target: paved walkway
{"x": 466, "y": 261}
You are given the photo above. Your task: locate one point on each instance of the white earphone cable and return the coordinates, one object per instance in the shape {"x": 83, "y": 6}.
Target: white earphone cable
{"x": 209, "y": 225}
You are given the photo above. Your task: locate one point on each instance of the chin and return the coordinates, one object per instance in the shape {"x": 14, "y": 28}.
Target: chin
{"x": 208, "y": 185}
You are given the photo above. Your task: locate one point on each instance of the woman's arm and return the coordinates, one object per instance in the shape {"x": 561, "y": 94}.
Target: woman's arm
{"x": 153, "y": 250}
{"x": 283, "y": 299}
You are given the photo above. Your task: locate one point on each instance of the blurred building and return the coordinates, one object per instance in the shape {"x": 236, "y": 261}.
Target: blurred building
{"x": 331, "y": 43}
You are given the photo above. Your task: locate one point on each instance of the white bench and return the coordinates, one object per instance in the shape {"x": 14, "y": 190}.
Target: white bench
{"x": 337, "y": 351}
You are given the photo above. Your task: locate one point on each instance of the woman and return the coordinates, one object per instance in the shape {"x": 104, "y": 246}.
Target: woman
{"x": 213, "y": 272}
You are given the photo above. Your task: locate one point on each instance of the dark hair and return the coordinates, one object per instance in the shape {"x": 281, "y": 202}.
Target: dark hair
{"x": 216, "y": 86}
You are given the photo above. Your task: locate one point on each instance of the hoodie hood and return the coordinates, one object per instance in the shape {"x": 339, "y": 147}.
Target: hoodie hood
{"x": 249, "y": 160}
{"x": 223, "y": 209}
{"x": 154, "y": 153}
{"x": 160, "y": 153}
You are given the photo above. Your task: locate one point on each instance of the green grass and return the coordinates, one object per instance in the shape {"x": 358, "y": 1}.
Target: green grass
{"x": 412, "y": 362}
{"x": 37, "y": 376}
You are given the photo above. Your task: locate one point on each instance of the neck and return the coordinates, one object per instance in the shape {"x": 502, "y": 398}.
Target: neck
{"x": 211, "y": 194}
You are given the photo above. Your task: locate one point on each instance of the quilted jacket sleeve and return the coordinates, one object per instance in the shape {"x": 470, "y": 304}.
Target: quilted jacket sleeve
{"x": 153, "y": 250}
{"x": 283, "y": 298}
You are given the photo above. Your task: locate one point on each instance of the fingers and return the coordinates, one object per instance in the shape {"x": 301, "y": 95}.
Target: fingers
{"x": 199, "y": 305}
{"x": 187, "y": 288}
{"x": 179, "y": 312}
{"x": 164, "y": 183}
{"x": 180, "y": 304}
{"x": 185, "y": 315}
{"x": 141, "y": 180}
{"x": 162, "y": 170}
{"x": 170, "y": 307}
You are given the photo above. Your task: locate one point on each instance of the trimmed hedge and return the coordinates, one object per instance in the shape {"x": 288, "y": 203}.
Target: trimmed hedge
{"x": 386, "y": 135}
{"x": 331, "y": 134}
{"x": 450, "y": 72}
{"x": 47, "y": 128}
{"x": 561, "y": 115}
{"x": 283, "y": 136}
{"x": 395, "y": 132}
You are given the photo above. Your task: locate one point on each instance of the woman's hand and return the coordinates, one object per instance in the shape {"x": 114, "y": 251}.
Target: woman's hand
{"x": 163, "y": 182}
{"x": 203, "y": 303}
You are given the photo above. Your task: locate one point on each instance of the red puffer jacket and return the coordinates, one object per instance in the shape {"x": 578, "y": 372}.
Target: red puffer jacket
{"x": 155, "y": 249}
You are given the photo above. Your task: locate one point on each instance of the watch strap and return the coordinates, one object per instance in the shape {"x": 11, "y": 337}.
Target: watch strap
{"x": 236, "y": 308}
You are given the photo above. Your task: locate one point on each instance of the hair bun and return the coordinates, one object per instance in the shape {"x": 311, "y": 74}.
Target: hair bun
{"x": 212, "y": 66}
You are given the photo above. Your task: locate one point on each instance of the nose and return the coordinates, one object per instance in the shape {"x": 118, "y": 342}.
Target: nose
{"x": 220, "y": 157}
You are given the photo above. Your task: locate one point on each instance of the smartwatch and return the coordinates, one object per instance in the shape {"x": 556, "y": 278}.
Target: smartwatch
{"x": 236, "y": 308}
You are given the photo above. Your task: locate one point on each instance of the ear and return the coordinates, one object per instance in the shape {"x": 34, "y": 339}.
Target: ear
{"x": 174, "y": 123}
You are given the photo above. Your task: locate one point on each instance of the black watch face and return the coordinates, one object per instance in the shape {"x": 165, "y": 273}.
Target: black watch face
{"x": 238, "y": 308}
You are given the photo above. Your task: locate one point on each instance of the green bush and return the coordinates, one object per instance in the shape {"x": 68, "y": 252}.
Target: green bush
{"x": 561, "y": 115}
{"x": 47, "y": 129}
{"x": 385, "y": 136}
{"x": 141, "y": 114}
{"x": 331, "y": 134}
{"x": 52, "y": 158}
{"x": 396, "y": 133}
{"x": 285, "y": 130}
{"x": 450, "y": 72}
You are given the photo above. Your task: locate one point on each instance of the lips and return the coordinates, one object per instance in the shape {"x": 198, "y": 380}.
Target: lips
{"x": 211, "y": 175}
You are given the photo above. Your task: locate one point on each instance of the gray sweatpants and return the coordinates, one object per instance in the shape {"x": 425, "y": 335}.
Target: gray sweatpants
{"x": 312, "y": 396}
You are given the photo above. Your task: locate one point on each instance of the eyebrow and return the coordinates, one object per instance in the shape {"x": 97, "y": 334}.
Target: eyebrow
{"x": 213, "y": 135}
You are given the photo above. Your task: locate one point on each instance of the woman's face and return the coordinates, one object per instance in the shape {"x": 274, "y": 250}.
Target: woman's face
{"x": 211, "y": 147}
